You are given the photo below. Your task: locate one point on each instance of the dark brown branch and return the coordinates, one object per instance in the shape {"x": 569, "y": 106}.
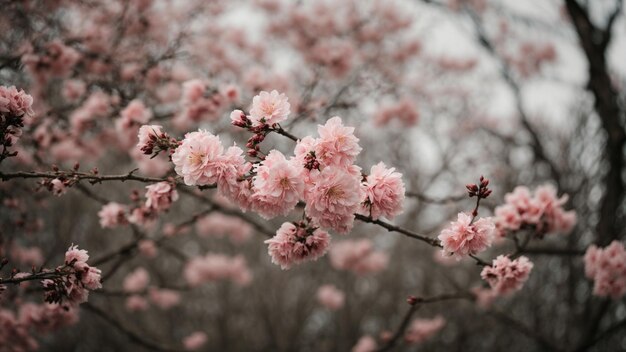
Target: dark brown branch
{"x": 134, "y": 337}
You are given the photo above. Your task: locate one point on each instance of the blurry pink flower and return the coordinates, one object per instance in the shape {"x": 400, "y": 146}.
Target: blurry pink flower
{"x": 194, "y": 341}
{"x": 147, "y": 248}
{"x": 58, "y": 188}
{"x": 384, "y": 192}
{"x": 543, "y": 210}
{"x": 330, "y": 297}
{"x": 220, "y": 225}
{"x": 269, "y": 108}
{"x": 136, "y": 303}
{"x": 164, "y": 298}
{"x": 506, "y": 276}
{"x": 334, "y": 198}
{"x": 297, "y": 243}
{"x": 337, "y": 144}
{"x": 112, "y": 215}
{"x": 214, "y": 267}
{"x": 365, "y": 344}
{"x": 358, "y": 256}
{"x": 607, "y": 268}
{"x": 197, "y": 158}
{"x": 484, "y": 296}
{"x": 463, "y": 237}
{"x": 277, "y": 186}
{"x": 160, "y": 196}
{"x": 136, "y": 281}
{"x": 422, "y": 329}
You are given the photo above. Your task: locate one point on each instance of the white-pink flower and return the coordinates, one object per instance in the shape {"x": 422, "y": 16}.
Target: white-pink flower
{"x": 334, "y": 198}
{"x": 462, "y": 237}
{"x": 278, "y": 186}
{"x": 384, "y": 192}
{"x": 269, "y": 108}
{"x": 160, "y": 196}
{"x": 297, "y": 243}
{"x": 506, "y": 276}
{"x": 197, "y": 159}
{"x": 75, "y": 255}
{"x": 337, "y": 144}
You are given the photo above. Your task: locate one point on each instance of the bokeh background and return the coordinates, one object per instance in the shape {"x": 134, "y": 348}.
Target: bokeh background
{"x": 523, "y": 92}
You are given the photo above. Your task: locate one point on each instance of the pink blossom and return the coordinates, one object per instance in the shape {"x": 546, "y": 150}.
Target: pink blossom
{"x": 160, "y": 196}
{"x": 194, "y": 341}
{"x": 91, "y": 277}
{"x": 58, "y": 188}
{"x": 334, "y": 198}
{"x": 277, "y": 186}
{"x": 198, "y": 160}
{"x": 164, "y": 298}
{"x": 423, "y": 329}
{"x": 505, "y": 275}
{"x": 136, "y": 281}
{"x": 607, "y": 268}
{"x": 337, "y": 144}
{"x": 358, "y": 256}
{"x": 147, "y": 248}
{"x": 463, "y": 237}
{"x": 269, "y": 108}
{"x": 330, "y": 297}
{"x": 15, "y": 102}
{"x": 404, "y": 111}
{"x": 384, "y": 192}
{"x": 148, "y": 135}
{"x": 75, "y": 255}
{"x": 542, "y": 210}
{"x": 295, "y": 243}
{"x": 112, "y": 215}
{"x": 365, "y": 344}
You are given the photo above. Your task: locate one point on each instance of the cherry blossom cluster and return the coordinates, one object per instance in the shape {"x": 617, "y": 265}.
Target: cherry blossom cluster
{"x": 466, "y": 235}
{"x": 297, "y": 242}
{"x": 200, "y": 102}
{"x": 541, "y": 211}
{"x": 358, "y": 256}
{"x": 15, "y": 105}
{"x": 17, "y": 329}
{"x": 74, "y": 280}
{"x": 214, "y": 267}
{"x": 505, "y": 275}
{"x": 607, "y": 268}
{"x": 158, "y": 199}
